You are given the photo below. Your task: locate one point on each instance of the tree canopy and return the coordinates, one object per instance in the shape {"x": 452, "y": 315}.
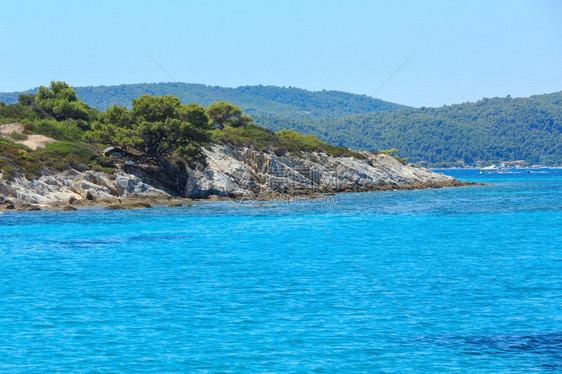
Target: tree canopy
{"x": 156, "y": 126}
{"x": 223, "y": 114}
{"x": 59, "y": 101}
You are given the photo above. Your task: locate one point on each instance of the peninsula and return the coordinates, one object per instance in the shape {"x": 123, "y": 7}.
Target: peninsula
{"x": 55, "y": 151}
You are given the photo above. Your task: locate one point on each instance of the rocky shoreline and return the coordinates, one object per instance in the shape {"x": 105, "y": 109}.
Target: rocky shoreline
{"x": 227, "y": 172}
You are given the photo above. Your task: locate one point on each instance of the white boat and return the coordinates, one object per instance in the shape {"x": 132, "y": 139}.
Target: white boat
{"x": 501, "y": 168}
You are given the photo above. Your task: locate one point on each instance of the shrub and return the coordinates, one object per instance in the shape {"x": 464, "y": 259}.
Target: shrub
{"x": 28, "y": 127}
{"x": 69, "y": 149}
{"x": 296, "y": 142}
{"x": 64, "y": 155}
{"x": 66, "y": 130}
{"x": 252, "y": 134}
{"x": 18, "y": 136}
{"x": 393, "y": 152}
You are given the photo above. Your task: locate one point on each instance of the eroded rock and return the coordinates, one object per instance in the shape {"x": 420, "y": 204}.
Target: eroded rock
{"x": 226, "y": 172}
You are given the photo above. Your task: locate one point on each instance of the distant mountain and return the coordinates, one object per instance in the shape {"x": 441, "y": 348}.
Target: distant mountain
{"x": 490, "y": 129}
{"x": 286, "y": 102}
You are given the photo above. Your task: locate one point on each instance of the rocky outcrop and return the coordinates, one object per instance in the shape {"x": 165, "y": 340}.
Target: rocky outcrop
{"x": 241, "y": 171}
{"x": 72, "y": 187}
{"x": 227, "y": 171}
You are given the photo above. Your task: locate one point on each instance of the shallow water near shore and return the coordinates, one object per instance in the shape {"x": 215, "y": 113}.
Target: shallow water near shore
{"x": 459, "y": 279}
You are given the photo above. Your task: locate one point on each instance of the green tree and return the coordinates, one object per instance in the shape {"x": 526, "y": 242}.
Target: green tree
{"x": 156, "y": 126}
{"x": 60, "y": 102}
{"x": 26, "y": 99}
{"x": 155, "y": 108}
{"x": 223, "y": 113}
{"x": 196, "y": 115}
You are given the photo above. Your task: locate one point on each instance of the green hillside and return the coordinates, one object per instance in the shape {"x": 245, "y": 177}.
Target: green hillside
{"x": 490, "y": 129}
{"x": 294, "y": 103}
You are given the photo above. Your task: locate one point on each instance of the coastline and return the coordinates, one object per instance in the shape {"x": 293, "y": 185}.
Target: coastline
{"x": 228, "y": 172}
{"x": 147, "y": 202}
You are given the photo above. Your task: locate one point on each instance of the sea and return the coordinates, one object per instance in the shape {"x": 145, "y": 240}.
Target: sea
{"x": 465, "y": 280}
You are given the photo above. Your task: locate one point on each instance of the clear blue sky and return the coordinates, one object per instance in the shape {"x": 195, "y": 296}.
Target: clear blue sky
{"x": 463, "y": 50}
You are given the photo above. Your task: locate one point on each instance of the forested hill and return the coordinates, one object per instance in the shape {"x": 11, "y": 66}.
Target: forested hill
{"x": 286, "y": 102}
{"x": 490, "y": 129}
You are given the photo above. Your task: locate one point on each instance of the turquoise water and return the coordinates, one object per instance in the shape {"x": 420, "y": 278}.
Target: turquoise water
{"x": 450, "y": 280}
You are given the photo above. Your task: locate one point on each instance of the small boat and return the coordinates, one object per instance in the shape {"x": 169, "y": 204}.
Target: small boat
{"x": 501, "y": 168}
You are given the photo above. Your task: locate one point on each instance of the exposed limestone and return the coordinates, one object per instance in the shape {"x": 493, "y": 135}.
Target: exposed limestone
{"x": 239, "y": 171}
{"x": 74, "y": 187}
{"x": 228, "y": 171}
